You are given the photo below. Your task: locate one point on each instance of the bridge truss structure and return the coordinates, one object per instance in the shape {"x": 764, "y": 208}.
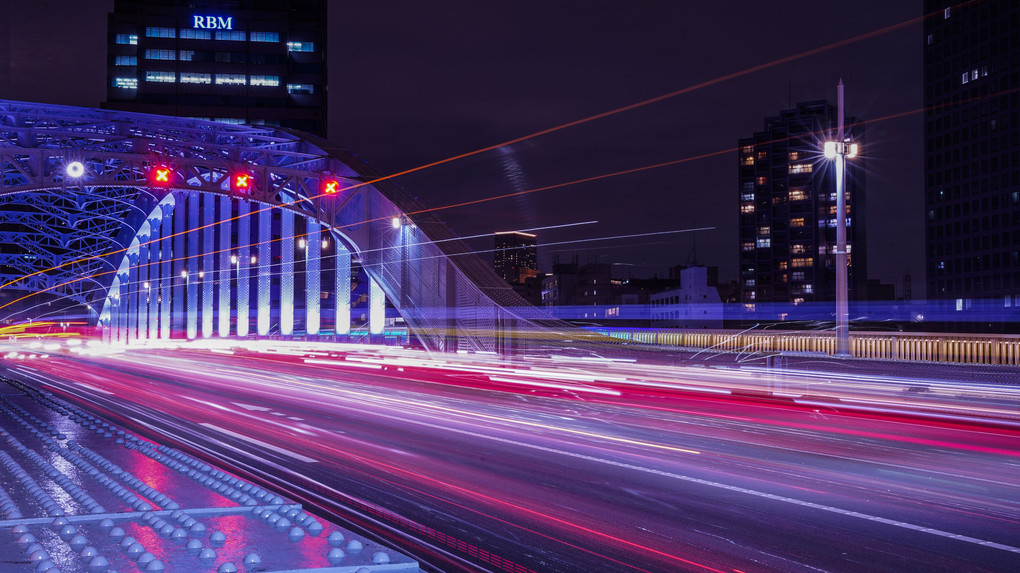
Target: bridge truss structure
{"x": 158, "y": 227}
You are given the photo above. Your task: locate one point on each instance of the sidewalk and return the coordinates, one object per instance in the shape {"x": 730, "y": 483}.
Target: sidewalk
{"x": 78, "y": 495}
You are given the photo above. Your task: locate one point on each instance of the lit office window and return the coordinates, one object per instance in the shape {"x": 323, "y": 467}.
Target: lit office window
{"x": 126, "y": 83}
{"x": 230, "y": 80}
{"x": 129, "y": 39}
{"x": 195, "y": 78}
{"x": 270, "y": 81}
{"x": 186, "y": 55}
{"x": 155, "y": 32}
{"x": 190, "y": 34}
{"x": 165, "y": 77}
{"x": 301, "y": 46}
{"x": 125, "y": 61}
{"x": 300, "y": 89}
{"x": 160, "y": 54}
{"x": 764, "y": 242}
{"x": 230, "y": 120}
{"x": 236, "y": 35}
{"x": 801, "y": 168}
{"x": 265, "y": 37}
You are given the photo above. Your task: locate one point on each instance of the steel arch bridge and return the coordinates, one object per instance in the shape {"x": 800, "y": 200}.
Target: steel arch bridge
{"x": 165, "y": 227}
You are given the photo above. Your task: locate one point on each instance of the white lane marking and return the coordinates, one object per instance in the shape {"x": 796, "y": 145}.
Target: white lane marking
{"x": 250, "y": 407}
{"x": 93, "y": 388}
{"x": 343, "y": 363}
{"x": 774, "y": 497}
{"x": 257, "y": 442}
{"x": 554, "y": 386}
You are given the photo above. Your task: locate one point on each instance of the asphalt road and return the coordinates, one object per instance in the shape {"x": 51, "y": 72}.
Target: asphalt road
{"x": 503, "y": 469}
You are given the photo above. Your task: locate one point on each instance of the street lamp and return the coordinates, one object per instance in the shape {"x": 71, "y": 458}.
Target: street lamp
{"x": 840, "y": 150}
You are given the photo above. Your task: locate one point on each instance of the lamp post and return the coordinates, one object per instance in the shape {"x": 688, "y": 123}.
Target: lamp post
{"x": 841, "y": 149}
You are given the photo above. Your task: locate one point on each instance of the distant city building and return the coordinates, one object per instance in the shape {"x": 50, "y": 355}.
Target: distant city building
{"x": 237, "y": 61}
{"x": 694, "y": 305}
{"x": 787, "y": 202}
{"x": 515, "y": 258}
{"x": 972, "y": 170}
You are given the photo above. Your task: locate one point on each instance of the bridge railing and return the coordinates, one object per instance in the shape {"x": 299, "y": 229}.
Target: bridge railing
{"x": 956, "y": 348}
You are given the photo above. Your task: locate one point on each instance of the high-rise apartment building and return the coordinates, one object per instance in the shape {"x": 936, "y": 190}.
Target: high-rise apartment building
{"x": 514, "y": 257}
{"x": 972, "y": 149}
{"x": 236, "y": 61}
{"x": 788, "y": 209}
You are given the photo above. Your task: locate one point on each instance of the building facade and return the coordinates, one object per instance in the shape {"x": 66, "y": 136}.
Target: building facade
{"x": 515, "y": 258}
{"x": 258, "y": 62}
{"x": 695, "y": 304}
{"x": 787, "y": 202}
{"x": 972, "y": 150}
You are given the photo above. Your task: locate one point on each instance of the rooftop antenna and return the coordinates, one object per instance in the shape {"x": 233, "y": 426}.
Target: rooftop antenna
{"x": 692, "y": 260}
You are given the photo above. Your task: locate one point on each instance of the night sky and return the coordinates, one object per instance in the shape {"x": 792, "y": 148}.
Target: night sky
{"x": 415, "y": 82}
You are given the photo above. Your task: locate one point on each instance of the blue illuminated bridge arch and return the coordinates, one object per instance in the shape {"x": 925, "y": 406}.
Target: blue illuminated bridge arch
{"x": 158, "y": 227}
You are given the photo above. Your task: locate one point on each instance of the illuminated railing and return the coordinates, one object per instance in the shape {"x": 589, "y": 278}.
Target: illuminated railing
{"x": 999, "y": 349}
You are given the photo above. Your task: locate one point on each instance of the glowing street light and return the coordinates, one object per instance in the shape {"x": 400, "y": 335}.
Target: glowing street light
{"x": 233, "y": 259}
{"x": 396, "y": 222}
{"x": 840, "y": 150}
{"x": 75, "y": 169}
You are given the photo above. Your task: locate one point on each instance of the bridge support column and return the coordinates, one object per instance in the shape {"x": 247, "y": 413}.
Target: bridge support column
{"x": 342, "y": 297}
{"x": 179, "y": 265}
{"x": 263, "y": 266}
{"x": 286, "y": 272}
{"x": 153, "y": 277}
{"x": 132, "y": 286}
{"x": 313, "y": 286}
{"x": 165, "y": 269}
{"x": 243, "y": 266}
{"x": 376, "y": 307}
{"x": 208, "y": 262}
{"x": 193, "y": 279}
{"x": 142, "y": 286}
{"x": 225, "y": 266}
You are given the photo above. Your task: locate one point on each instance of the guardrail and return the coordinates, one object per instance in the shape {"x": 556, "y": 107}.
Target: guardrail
{"x": 955, "y": 348}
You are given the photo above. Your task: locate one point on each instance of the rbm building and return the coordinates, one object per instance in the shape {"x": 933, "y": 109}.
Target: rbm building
{"x": 259, "y": 62}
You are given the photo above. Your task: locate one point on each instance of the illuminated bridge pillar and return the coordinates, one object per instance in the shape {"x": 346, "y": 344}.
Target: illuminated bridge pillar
{"x": 179, "y": 264}
{"x": 124, "y": 295}
{"x": 132, "y": 292}
{"x": 225, "y": 266}
{"x": 151, "y": 264}
{"x": 376, "y": 307}
{"x": 243, "y": 266}
{"x": 165, "y": 269}
{"x": 142, "y": 284}
{"x": 342, "y": 296}
{"x": 263, "y": 263}
{"x": 287, "y": 272}
{"x": 193, "y": 278}
{"x": 313, "y": 270}
{"x": 208, "y": 272}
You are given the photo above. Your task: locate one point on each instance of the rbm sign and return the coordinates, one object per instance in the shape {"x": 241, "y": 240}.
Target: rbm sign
{"x": 214, "y": 22}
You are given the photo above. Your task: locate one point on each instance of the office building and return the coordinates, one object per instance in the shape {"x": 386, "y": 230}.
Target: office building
{"x": 787, "y": 202}
{"x": 972, "y": 150}
{"x": 237, "y": 61}
{"x": 515, "y": 258}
